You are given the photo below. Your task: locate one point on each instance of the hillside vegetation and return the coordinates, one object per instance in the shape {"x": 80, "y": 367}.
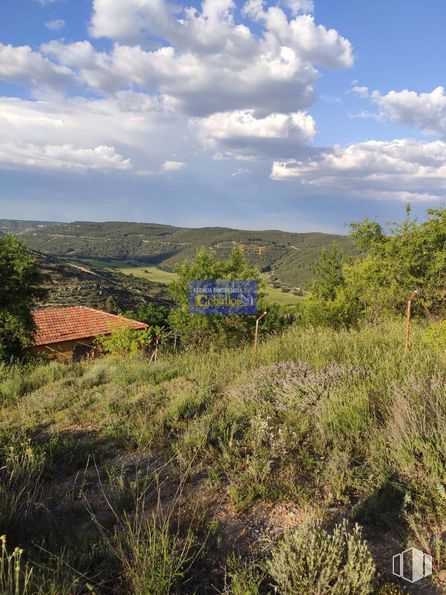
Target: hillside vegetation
{"x": 212, "y": 472}
{"x": 289, "y": 256}
{"x": 83, "y": 284}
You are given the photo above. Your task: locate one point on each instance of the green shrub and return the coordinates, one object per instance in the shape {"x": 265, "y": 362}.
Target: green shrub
{"x": 435, "y": 336}
{"x": 311, "y": 560}
{"x": 125, "y": 341}
{"x": 155, "y": 558}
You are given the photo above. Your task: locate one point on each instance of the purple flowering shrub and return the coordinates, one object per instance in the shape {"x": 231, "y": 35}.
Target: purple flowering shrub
{"x": 277, "y": 447}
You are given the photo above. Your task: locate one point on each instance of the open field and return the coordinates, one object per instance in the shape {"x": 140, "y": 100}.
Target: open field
{"x": 184, "y": 475}
{"x": 151, "y": 273}
{"x": 273, "y": 295}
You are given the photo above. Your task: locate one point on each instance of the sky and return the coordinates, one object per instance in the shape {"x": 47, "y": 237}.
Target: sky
{"x": 285, "y": 114}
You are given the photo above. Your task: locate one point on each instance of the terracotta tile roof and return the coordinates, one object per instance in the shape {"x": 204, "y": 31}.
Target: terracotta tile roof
{"x": 54, "y": 325}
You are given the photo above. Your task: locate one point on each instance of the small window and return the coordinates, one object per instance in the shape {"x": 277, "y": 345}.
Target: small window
{"x": 82, "y": 351}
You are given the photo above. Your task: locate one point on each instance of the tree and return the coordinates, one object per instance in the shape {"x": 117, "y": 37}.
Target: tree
{"x": 328, "y": 274}
{"x": 151, "y": 313}
{"x": 20, "y": 286}
{"x": 202, "y": 330}
{"x": 410, "y": 256}
{"x": 110, "y": 305}
{"x": 330, "y": 301}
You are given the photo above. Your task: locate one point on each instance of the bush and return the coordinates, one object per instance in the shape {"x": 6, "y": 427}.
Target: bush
{"x": 435, "y": 336}
{"x": 310, "y": 560}
{"x": 125, "y": 341}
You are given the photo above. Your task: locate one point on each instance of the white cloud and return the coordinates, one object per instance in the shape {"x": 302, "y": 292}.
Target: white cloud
{"x": 400, "y": 169}
{"x": 22, "y": 65}
{"x": 126, "y": 19}
{"x": 242, "y": 133}
{"x": 425, "y": 111}
{"x": 208, "y": 62}
{"x": 173, "y": 165}
{"x": 61, "y": 157}
{"x": 300, "y": 6}
{"x": 55, "y": 25}
{"x": 135, "y": 125}
{"x": 241, "y": 171}
{"x": 191, "y": 78}
{"x": 360, "y": 90}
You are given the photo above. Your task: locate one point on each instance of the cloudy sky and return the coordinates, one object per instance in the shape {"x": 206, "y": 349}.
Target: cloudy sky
{"x": 287, "y": 114}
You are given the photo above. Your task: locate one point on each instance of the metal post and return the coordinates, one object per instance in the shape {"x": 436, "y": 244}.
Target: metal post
{"x": 256, "y": 336}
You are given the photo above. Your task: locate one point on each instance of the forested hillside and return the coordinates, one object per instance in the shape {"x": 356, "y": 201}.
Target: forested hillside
{"x": 289, "y": 256}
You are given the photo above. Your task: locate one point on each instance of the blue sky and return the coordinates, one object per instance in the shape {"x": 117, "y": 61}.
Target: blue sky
{"x": 290, "y": 114}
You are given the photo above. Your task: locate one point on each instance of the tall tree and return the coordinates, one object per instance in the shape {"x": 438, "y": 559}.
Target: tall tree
{"x": 214, "y": 329}
{"x": 20, "y": 286}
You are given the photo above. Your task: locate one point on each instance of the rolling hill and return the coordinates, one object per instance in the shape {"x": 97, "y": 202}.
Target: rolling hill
{"x": 287, "y": 257}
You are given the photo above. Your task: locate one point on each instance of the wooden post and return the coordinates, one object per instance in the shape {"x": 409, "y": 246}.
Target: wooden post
{"x": 408, "y": 317}
{"x": 256, "y": 336}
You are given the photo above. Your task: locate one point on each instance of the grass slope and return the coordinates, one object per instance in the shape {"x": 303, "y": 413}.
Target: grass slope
{"x": 183, "y": 475}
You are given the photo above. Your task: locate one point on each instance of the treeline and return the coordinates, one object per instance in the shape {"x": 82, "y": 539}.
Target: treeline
{"x": 290, "y": 256}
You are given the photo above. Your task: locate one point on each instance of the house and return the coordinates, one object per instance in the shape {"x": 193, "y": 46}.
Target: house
{"x": 69, "y": 334}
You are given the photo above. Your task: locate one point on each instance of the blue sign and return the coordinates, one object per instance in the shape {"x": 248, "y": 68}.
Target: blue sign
{"x": 223, "y": 297}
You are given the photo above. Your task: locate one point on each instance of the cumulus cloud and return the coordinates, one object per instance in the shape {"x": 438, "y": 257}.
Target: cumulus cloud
{"x": 173, "y": 165}
{"x": 238, "y": 88}
{"x": 208, "y": 62}
{"x": 129, "y": 122}
{"x": 425, "y": 111}
{"x": 55, "y": 25}
{"x": 61, "y": 157}
{"x": 22, "y": 64}
{"x": 242, "y": 133}
{"x": 399, "y": 169}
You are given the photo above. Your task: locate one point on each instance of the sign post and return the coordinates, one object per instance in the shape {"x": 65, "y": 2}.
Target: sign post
{"x": 223, "y": 296}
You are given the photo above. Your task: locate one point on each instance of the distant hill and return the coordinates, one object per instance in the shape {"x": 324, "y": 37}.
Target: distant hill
{"x": 287, "y": 256}
{"x": 20, "y": 226}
